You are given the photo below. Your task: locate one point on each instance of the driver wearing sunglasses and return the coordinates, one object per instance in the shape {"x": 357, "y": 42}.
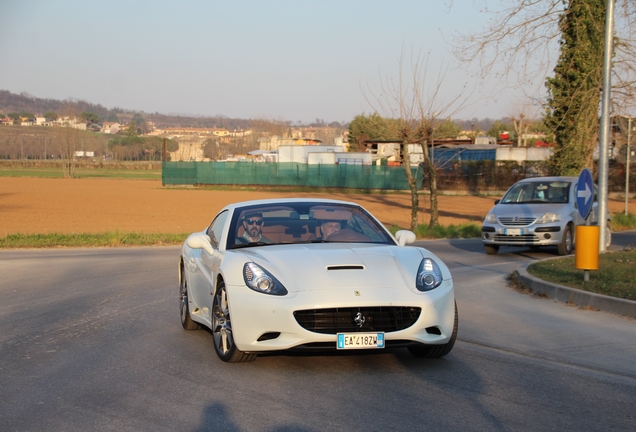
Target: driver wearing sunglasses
{"x": 253, "y": 225}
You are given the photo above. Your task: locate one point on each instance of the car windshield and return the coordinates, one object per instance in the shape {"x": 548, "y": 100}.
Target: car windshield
{"x": 303, "y": 222}
{"x": 538, "y": 192}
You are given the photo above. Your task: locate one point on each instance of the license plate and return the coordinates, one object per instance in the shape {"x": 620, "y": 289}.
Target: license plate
{"x": 513, "y": 231}
{"x": 360, "y": 340}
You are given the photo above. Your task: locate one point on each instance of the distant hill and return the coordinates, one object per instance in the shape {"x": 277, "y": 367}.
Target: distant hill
{"x": 24, "y": 102}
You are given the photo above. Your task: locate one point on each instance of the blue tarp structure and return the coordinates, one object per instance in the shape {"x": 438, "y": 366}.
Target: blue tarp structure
{"x": 443, "y": 156}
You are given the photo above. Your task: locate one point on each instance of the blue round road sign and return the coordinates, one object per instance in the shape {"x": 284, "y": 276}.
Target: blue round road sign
{"x": 585, "y": 193}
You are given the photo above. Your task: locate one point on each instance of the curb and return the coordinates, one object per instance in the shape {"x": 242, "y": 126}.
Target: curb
{"x": 576, "y": 296}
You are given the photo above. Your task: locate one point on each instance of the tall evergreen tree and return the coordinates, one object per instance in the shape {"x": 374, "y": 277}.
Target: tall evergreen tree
{"x": 574, "y": 91}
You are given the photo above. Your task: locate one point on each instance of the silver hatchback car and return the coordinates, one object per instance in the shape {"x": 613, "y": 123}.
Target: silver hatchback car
{"x": 540, "y": 211}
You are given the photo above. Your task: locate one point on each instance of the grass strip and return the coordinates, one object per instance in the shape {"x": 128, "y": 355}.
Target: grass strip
{"x": 106, "y": 239}
{"x": 615, "y": 277}
{"x": 44, "y": 172}
{"x": 622, "y": 221}
{"x": 117, "y": 238}
{"x": 467, "y": 230}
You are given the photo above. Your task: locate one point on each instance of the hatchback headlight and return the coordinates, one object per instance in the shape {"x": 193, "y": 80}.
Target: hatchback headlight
{"x": 491, "y": 218}
{"x": 260, "y": 280}
{"x": 429, "y": 275}
{"x": 548, "y": 218}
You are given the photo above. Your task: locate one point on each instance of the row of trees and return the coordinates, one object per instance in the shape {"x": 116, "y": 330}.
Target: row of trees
{"x": 19, "y": 143}
{"x": 131, "y": 146}
{"x": 360, "y": 130}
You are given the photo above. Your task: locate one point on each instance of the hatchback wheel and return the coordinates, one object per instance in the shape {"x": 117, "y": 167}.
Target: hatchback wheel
{"x": 567, "y": 241}
{"x": 491, "y": 249}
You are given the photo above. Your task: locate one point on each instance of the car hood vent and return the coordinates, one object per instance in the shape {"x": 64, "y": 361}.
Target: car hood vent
{"x": 345, "y": 267}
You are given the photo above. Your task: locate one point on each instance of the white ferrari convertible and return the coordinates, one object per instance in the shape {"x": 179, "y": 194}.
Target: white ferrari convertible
{"x": 311, "y": 274}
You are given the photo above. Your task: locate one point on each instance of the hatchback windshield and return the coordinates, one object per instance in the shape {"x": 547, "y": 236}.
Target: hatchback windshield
{"x": 538, "y": 192}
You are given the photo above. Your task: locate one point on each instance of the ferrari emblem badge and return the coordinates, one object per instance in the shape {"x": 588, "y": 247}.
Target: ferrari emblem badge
{"x": 359, "y": 319}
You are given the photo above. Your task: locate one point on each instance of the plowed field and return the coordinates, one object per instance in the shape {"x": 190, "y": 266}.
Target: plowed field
{"x": 40, "y": 205}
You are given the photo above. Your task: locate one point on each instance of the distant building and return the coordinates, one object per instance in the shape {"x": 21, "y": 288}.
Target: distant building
{"x": 110, "y": 128}
{"x": 274, "y": 142}
{"x": 301, "y": 153}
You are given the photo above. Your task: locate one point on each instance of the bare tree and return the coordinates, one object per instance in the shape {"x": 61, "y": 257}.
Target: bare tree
{"x": 71, "y": 142}
{"x": 522, "y": 116}
{"x": 414, "y": 108}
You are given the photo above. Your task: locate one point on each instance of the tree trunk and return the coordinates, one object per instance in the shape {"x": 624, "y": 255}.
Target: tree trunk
{"x": 432, "y": 175}
{"x": 412, "y": 182}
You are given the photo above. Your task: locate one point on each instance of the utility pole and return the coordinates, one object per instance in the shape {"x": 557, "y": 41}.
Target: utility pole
{"x": 628, "y": 150}
{"x": 603, "y": 163}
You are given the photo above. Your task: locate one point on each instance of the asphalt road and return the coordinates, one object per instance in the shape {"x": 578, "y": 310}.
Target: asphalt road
{"x": 90, "y": 339}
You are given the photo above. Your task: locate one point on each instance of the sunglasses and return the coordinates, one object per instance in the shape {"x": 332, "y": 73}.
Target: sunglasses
{"x": 254, "y": 221}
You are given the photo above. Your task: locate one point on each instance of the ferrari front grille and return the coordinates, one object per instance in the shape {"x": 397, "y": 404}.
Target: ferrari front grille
{"x": 357, "y": 319}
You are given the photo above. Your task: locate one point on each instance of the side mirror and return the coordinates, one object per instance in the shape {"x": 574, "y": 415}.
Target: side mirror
{"x": 497, "y": 201}
{"x": 200, "y": 241}
{"x": 404, "y": 237}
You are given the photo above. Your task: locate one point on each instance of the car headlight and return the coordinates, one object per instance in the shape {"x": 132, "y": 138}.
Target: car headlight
{"x": 429, "y": 275}
{"x": 548, "y": 218}
{"x": 260, "y": 280}
{"x": 491, "y": 218}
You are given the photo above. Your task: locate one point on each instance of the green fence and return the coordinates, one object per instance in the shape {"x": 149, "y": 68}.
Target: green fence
{"x": 286, "y": 174}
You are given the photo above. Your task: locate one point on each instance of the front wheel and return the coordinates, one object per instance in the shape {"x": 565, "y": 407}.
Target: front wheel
{"x": 567, "y": 241}
{"x": 608, "y": 235}
{"x": 491, "y": 249}
{"x": 222, "y": 329}
{"x": 436, "y": 351}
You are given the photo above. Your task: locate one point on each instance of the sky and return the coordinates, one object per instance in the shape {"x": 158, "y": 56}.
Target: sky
{"x": 293, "y": 60}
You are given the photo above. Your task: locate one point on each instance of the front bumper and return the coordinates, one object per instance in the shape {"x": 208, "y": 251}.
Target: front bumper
{"x": 533, "y": 235}
{"x": 263, "y": 323}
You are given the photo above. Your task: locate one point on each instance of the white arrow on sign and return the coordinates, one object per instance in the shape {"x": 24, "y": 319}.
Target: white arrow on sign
{"x": 587, "y": 193}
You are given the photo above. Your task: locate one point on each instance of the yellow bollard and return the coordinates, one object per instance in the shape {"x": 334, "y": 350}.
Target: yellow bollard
{"x": 586, "y": 252}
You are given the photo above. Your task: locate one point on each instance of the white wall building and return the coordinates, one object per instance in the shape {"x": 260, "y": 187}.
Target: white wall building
{"x": 300, "y": 154}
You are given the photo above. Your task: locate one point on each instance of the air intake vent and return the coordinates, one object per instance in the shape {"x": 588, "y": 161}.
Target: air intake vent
{"x": 345, "y": 267}
{"x": 357, "y": 319}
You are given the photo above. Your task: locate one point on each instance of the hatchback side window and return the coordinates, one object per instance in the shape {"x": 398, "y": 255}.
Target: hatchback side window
{"x": 215, "y": 230}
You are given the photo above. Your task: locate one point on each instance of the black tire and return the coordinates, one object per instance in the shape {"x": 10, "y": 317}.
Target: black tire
{"x": 222, "y": 329}
{"x": 567, "y": 241}
{"x": 436, "y": 351}
{"x": 491, "y": 249}
{"x": 184, "y": 306}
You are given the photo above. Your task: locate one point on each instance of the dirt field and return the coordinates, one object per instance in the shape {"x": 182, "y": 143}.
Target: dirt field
{"x": 39, "y": 205}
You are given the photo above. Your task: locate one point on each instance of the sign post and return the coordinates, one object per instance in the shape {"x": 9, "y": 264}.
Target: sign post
{"x": 585, "y": 194}
{"x": 587, "y": 237}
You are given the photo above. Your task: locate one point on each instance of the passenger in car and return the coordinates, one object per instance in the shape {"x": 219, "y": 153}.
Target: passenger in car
{"x": 328, "y": 228}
